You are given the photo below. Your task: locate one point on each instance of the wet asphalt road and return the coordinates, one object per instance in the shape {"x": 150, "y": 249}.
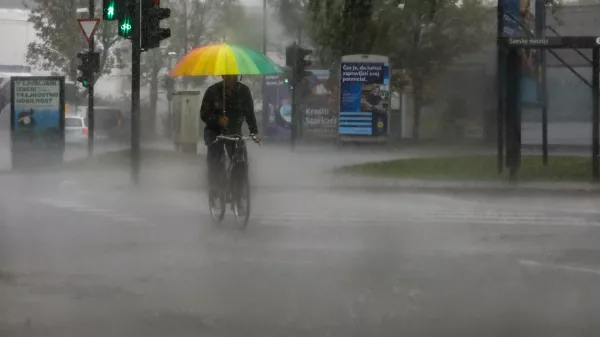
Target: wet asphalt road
{"x": 86, "y": 255}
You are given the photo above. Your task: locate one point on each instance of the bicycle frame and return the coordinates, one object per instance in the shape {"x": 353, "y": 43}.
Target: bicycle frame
{"x": 239, "y": 144}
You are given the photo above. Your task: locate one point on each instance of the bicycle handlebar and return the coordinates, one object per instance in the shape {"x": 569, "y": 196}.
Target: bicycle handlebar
{"x": 235, "y": 138}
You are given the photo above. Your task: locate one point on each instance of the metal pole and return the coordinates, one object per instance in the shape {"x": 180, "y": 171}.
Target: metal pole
{"x": 544, "y": 109}
{"x": 500, "y": 91}
{"x": 540, "y": 24}
{"x": 265, "y": 106}
{"x": 512, "y": 113}
{"x": 135, "y": 92}
{"x": 595, "y": 112}
{"x": 90, "y": 113}
{"x": 294, "y": 118}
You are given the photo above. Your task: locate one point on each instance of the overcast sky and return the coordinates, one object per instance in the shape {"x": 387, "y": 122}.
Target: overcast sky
{"x": 252, "y": 2}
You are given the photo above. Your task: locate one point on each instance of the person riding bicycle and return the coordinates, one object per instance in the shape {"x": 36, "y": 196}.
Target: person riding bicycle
{"x": 225, "y": 118}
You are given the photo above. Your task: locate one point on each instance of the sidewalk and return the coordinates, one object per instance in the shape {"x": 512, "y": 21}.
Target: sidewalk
{"x": 309, "y": 167}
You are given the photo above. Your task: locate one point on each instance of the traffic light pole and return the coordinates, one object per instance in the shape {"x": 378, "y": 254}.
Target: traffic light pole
{"x": 90, "y": 113}
{"x": 294, "y": 130}
{"x": 135, "y": 91}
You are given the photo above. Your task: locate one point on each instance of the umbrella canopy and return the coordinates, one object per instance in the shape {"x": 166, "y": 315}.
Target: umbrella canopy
{"x": 224, "y": 59}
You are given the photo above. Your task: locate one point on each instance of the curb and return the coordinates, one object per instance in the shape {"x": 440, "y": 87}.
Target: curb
{"x": 395, "y": 185}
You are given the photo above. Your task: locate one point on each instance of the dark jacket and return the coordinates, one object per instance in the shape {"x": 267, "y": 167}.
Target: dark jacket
{"x": 239, "y": 106}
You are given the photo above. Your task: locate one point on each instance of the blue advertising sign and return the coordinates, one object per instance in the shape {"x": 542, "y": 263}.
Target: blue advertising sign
{"x": 519, "y": 20}
{"x": 530, "y": 65}
{"x": 511, "y": 12}
{"x": 314, "y": 104}
{"x": 277, "y": 107}
{"x": 37, "y": 118}
{"x": 364, "y": 98}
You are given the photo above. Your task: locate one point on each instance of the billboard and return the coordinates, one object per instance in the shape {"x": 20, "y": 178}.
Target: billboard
{"x": 37, "y": 118}
{"x": 519, "y": 21}
{"x": 530, "y": 58}
{"x": 277, "y": 107}
{"x": 364, "y": 96}
{"x": 315, "y": 103}
{"x": 319, "y": 107}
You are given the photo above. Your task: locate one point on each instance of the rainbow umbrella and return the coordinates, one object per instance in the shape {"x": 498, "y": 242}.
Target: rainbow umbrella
{"x": 224, "y": 59}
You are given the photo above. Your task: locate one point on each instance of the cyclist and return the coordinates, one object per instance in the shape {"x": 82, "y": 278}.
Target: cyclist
{"x": 225, "y": 118}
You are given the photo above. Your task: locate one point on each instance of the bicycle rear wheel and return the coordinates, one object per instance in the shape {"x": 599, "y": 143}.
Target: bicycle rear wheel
{"x": 241, "y": 200}
{"x": 217, "y": 205}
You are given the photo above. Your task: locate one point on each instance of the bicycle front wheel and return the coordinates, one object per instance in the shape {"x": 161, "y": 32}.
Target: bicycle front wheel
{"x": 241, "y": 200}
{"x": 217, "y": 205}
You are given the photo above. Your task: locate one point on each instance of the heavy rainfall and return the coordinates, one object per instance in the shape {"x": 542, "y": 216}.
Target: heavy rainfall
{"x": 414, "y": 173}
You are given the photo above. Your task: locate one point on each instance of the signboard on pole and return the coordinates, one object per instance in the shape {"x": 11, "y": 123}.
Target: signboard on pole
{"x": 277, "y": 108}
{"x": 364, "y": 98}
{"x": 88, "y": 27}
{"x": 37, "y": 119}
{"x": 319, "y": 108}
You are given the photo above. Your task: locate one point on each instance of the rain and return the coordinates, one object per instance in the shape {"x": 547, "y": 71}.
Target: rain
{"x": 399, "y": 184}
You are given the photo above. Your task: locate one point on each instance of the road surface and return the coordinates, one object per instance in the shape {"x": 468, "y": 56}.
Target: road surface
{"x": 93, "y": 257}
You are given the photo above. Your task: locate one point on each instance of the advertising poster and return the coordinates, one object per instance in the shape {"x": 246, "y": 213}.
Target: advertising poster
{"x": 316, "y": 104}
{"x": 278, "y": 107}
{"x": 37, "y": 116}
{"x": 319, "y": 107}
{"x": 512, "y": 10}
{"x": 524, "y": 25}
{"x": 364, "y": 98}
{"x": 530, "y": 58}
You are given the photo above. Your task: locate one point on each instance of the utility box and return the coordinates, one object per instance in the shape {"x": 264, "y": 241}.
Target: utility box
{"x": 186, "y": 120}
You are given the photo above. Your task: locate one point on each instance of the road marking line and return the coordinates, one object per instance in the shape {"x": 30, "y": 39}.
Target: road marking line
{"x": 376, "y": 221}
{"x": 102, "y": 212}
{"x": 530, "y": 263}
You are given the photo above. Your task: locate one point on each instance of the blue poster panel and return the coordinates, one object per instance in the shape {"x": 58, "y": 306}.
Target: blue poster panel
{"x": 278, "y": 107}
{"x": 315, "y": 103}
{"x": 364, "y": 98}
{"x": 37, "y": 119}
{"x": 520, "y": 20}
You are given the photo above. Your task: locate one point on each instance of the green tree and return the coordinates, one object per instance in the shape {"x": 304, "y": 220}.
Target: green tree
{"x": 59, "y": 38}
{"x": 429, "y": 37}
{"x": 422, "y": 37}
{"x": 293, "y": 15}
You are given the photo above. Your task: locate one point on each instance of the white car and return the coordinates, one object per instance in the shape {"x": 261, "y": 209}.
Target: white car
{"x": 75, "y": 129}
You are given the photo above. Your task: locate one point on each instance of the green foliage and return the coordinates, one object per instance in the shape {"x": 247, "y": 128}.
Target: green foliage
{"x": 60, "y": 38}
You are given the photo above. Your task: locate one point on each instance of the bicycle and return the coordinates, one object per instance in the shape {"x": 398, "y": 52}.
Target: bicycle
{"x": 234, "y": 185}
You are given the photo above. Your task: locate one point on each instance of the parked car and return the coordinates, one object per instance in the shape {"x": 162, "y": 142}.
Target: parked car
{"x": 76, "y": 130}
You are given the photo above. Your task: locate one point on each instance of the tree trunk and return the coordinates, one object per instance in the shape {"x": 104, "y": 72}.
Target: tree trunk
{"x": 417, "y": 102}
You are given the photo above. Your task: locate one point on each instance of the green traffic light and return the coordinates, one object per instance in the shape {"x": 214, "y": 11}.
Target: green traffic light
{"x": 109, "y": 10}
{"x": 125, "y": 27}
{"x": 286, "y": 80}
{"x": 85, "y": 83}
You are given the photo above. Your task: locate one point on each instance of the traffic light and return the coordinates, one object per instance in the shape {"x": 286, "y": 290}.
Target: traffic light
{"x": 124, "y": 15}
{"x": 295, "y": 58}
{"x": 152, "y": 15}
{"x": 90, "y": 64}
{"x": 110, "y": 9}
{"x": 290, "y": 55}
{"x": 84, "y": 67}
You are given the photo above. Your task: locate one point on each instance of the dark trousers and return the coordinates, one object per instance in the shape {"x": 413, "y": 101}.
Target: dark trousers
{"x": 214, "y": 158}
